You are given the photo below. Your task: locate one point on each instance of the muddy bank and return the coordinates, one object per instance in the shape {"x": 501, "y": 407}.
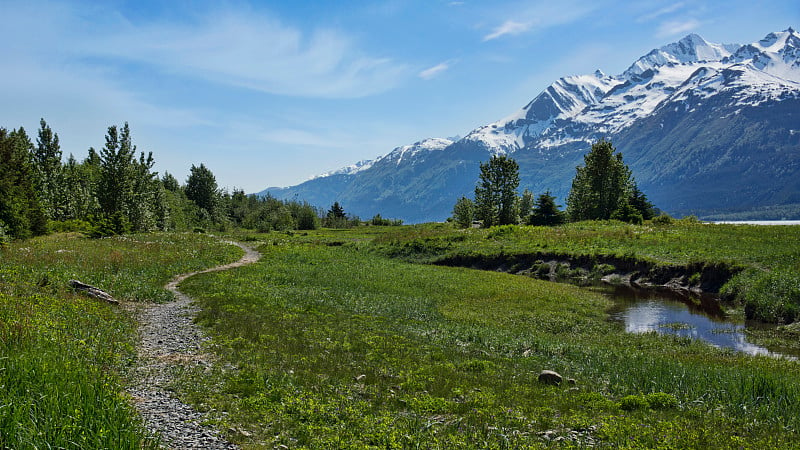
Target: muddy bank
{"x": 700, "y": 278}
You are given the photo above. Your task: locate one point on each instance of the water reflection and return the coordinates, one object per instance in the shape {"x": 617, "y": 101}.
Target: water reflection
{"x": 643, "y": 311}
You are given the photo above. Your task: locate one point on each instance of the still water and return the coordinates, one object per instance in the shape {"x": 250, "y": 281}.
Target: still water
{"x": 643, "y": 311}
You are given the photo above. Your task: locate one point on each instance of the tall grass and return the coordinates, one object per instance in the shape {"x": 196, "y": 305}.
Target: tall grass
{"x": 334, "y": 346}
{"x": 61, "y": 355}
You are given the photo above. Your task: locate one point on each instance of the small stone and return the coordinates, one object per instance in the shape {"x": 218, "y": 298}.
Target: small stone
{"x": 550, "y": 377}
{"x": 572, "y": 381}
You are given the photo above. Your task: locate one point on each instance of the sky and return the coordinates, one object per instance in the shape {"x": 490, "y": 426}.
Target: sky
{"x": 271, "y": 93}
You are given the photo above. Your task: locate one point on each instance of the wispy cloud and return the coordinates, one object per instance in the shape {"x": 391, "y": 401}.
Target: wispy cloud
{"x": 677, "y": 27}
{"x": 243, "y": 48}
{"x": 540, "y": 15}
{"x": 669, "y": 9}
{"x": 434, "y": 71}
{"x": 508, "y": 27}
{"x": 254, "y": 51}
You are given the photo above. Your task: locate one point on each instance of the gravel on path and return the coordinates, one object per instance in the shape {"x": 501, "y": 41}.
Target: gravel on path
{"x": 170, "y": 339}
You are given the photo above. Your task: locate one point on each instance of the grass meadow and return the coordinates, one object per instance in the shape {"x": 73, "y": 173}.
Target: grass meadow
{"x": 63, "y": 356}
{"x": 354, "y": 339}
{"x": 330, "y": 343}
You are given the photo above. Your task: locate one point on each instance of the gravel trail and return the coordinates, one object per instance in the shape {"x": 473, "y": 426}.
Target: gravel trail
{"x": 170, "y": 339}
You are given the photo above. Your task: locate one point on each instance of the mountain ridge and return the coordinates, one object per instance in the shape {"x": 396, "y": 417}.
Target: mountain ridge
{"x": 700, "y": 85}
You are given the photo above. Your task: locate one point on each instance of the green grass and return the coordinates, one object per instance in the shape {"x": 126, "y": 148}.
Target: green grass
{"x": 329, "y": 345}
{"x": 767, "y": 286}
{"x": 62, "y": 355}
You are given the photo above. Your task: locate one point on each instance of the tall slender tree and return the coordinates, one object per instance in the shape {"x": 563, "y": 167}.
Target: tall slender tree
{"x": 49, "y": 179}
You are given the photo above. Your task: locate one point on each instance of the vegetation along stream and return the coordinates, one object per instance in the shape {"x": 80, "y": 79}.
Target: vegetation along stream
{"x": 695, "y": 316}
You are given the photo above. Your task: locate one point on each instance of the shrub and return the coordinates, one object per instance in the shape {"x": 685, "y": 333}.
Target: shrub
{"x": 633, "y": 402}
{"x": 661, "y": 400}
{"x": 68, "y": 226}
{"x": 662, "y": 219}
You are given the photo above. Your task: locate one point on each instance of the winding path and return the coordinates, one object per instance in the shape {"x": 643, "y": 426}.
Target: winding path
{"x": 170, "y": 339}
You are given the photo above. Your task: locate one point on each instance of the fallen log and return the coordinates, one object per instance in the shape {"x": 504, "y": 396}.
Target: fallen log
{"x": 93, "y": 292}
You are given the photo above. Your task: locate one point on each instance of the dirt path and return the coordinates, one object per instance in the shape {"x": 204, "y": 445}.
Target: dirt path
{"x": 170, "y": 339}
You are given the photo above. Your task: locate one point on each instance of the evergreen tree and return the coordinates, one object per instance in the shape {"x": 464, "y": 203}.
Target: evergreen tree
{"x": 49, "y": 180}
{"x": 640, "y": 202}
{"x": 496, "y": 193}
{"x": 115, "y": 186}
{"x": 20, "y": 210}
{"x": 600, "y": 185}
{"x": 464, "y": 212}
{"x": 336, "y": 217}
{"x": 546, "y": 212}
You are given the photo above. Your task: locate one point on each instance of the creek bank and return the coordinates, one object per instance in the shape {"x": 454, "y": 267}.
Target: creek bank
{"x": 696, "y": 278}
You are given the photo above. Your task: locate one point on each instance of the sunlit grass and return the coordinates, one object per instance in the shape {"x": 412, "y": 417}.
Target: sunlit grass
{"x": 62, "y": 355}
{"x": 334, "y": 346}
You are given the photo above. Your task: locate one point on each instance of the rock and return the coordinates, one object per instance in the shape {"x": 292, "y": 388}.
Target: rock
{"x": 572, "y": 381}
{"x": 550, "y": 377}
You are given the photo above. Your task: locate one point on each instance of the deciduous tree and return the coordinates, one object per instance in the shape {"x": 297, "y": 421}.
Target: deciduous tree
{"x": 496, "y": 193}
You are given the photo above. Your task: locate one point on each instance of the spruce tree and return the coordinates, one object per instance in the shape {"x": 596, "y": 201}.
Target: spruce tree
{"x": 546, "y": 212}
{"x": 114, "y": 185}
{"x": 49, "y": 180}
{"x": 20, "y": 209}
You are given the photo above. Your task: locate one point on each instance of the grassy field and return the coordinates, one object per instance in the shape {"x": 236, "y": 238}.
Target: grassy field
{"x": 330, "y": 343}
{"x": 352, "y": 339}
{"x": 62, "y": 355}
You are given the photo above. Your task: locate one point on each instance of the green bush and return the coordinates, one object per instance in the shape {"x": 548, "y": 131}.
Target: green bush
{"x": 661, "y": 400}
{"x": 662, "y": 219}
{"x": 69, "y": 226}
{"x": 634, "y": 402}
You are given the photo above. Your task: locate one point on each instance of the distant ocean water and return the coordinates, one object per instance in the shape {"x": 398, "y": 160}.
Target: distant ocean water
{"x": 757, "y": 222}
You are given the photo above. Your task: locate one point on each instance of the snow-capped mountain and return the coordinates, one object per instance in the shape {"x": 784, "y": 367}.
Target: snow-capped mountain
{"x": 682, "y": 115}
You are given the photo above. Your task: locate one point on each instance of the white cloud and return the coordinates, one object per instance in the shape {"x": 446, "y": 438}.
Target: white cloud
{"x": 508, "y": 27}
{"x": 252, "y": 50}
{"x": 669, "y": 9}
{"x": 677, "y": 27}
{"x": 434, "y": 71}
{"x": 241, "y": 48}
{"x": 540, "y": 15}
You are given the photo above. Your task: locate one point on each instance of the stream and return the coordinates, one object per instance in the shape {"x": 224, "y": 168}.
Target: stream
{"x": 700, "y": 317}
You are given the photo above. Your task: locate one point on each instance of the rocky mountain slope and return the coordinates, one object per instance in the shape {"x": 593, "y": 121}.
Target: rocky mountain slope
{"x": 706, "y": 128}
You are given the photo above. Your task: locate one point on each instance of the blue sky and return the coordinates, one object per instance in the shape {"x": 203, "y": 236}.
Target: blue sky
{"x": 269, "y": 93}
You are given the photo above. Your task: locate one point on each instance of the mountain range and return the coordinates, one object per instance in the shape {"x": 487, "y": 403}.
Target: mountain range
{"x": 706, "y": 129}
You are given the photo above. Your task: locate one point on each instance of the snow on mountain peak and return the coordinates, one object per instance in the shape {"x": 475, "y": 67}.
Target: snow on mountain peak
{"x": 411, "y": 151}
{"x": 347, "y": 170}
{"x": 691, "y": 49}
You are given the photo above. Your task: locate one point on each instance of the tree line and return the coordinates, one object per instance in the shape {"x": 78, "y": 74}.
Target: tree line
{"x": 115, "y": 190}
{"x": 603, "y": 188}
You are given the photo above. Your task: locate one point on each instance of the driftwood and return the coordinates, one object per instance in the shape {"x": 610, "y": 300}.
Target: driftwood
{"x": 92, "y": 291}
